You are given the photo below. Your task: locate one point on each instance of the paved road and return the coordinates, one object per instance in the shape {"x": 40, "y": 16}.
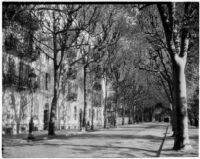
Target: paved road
{"x": 140, "y": 140}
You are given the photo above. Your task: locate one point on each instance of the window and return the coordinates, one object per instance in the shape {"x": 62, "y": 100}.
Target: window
{"x": 72, "y": 92}
{"x": 10, "y": 42}
{"x": 75, "y": 113}
{"x": 46, "y": 81}
{"x": 38, "y": 82}
{"x": 93, "y": 113}
{"x": 89, "y": 113}
{"x": 47, "y": 58}
{"x": 24, "y": 71}
{"x": 11, "y": 66}
{"x": 97, "y": 112}
{"x": 21, "y": 69}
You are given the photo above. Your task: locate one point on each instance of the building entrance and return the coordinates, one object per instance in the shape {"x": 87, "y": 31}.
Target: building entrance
{"x": 46, "y": 116}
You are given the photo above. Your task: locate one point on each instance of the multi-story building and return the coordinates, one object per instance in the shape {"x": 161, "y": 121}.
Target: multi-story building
{"x": 71, "y": 101}
{"x": 23, "y": 99}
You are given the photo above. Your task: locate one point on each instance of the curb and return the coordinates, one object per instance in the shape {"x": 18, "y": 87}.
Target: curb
{"x": 160, "y": 149}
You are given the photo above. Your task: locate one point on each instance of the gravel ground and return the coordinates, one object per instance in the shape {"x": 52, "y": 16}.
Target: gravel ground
{"x": 129, "y": 141}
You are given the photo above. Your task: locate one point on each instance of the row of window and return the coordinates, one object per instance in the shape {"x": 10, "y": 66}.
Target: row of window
{"x": 97, "y": 114}
{"x": 44, "y": 83}
{"x": 24, "y": 71}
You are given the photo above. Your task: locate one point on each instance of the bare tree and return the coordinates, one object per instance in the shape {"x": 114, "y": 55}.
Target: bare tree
{"x": 61, "y": 26}
{"x": 96, "y": 43}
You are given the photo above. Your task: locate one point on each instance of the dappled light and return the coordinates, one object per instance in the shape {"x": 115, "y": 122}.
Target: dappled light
{"x": 100, "y": 79}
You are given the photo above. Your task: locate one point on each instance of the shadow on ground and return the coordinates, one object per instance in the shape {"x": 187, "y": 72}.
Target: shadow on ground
{"x": 84, "y": 149}
{"x": 12, "y": 142}
{"x": 106, "y": 150}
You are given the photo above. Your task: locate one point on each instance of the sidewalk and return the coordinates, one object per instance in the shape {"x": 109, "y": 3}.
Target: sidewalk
{"x": 139, "y": 140}
{"x": 169, "y": 142}
{"x": 11, "y": 140}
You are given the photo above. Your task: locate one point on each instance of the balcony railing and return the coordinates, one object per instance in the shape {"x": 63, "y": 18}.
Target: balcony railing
{"x": 22, "y": 50}
{"x": 11, "y": 80}
{"x": 71, "y": 55}
{"x": 10, "y": 42}
{"x": 71, "y": 74}
{"x": 72, "y": 97}
{"x": 29, "y": 54}
{"x": 23, "y": 83}
{"x": 97, "y": 86}
{"x": 20, "y": 83}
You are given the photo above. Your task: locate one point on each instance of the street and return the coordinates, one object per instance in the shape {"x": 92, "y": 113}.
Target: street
{"x": 132, "y": 141}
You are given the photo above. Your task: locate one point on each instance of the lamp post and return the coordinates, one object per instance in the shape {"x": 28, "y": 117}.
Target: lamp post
{"x": 32, "y": 77}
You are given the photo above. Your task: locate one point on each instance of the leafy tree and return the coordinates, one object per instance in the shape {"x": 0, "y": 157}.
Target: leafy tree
{"x": 176, "y": 20}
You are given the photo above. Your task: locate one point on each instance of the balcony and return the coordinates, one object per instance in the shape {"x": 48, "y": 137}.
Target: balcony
{"x": 23, "y": 84}
{"x": 29, "y": 54}
{"x": 72, "y": 97}
{"x": 10, "y": 43}
{"x": 71, "y": 55}
{"x": 71, "y": 74}
{"x": 97, "y": 86}
{"x": 10, "y": 80}
{"x": 97, "y": 101}
{"x": 22, "y": 50}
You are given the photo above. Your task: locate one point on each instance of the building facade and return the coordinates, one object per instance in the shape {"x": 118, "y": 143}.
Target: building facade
{"x": 23, "y": 99}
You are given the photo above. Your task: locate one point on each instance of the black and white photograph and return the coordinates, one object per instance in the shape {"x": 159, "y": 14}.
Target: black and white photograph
{"x": 100, "y": 79}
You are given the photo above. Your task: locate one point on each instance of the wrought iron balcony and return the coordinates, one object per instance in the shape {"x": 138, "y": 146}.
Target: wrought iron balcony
{"x": 71, "y": 74}
{"x": 10, "y": 80}
{"x": 23, "y": 84}
{"x": 71, "y": 55}
{"x": 10, "y": 43}
{"x": 97, "y": 86}
{"x": 29, "y": 54}
{"x": 97, "y": 102}
{"x": 72, "y": 97}
{"x": 22, "y": 50}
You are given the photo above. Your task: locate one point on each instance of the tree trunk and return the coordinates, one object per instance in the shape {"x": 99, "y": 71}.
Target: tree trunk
{"x": 142, "y": 115}
{"x": 123, "y": 111}
{"x": 173, "y": 118}
{"x": 115, "y": 116}
{"x": 105, "y": 104}
{"x": 133, "y": 114}
{"x": 129, "y": 117}
{"x": 181, "y": 133}
{"x": 80, "y": 118}
{"x": 84, "y": 99}
{"x": 92, "y": 121}
{"x": 123, "y": 115}
{"x": 51, "y": 130}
